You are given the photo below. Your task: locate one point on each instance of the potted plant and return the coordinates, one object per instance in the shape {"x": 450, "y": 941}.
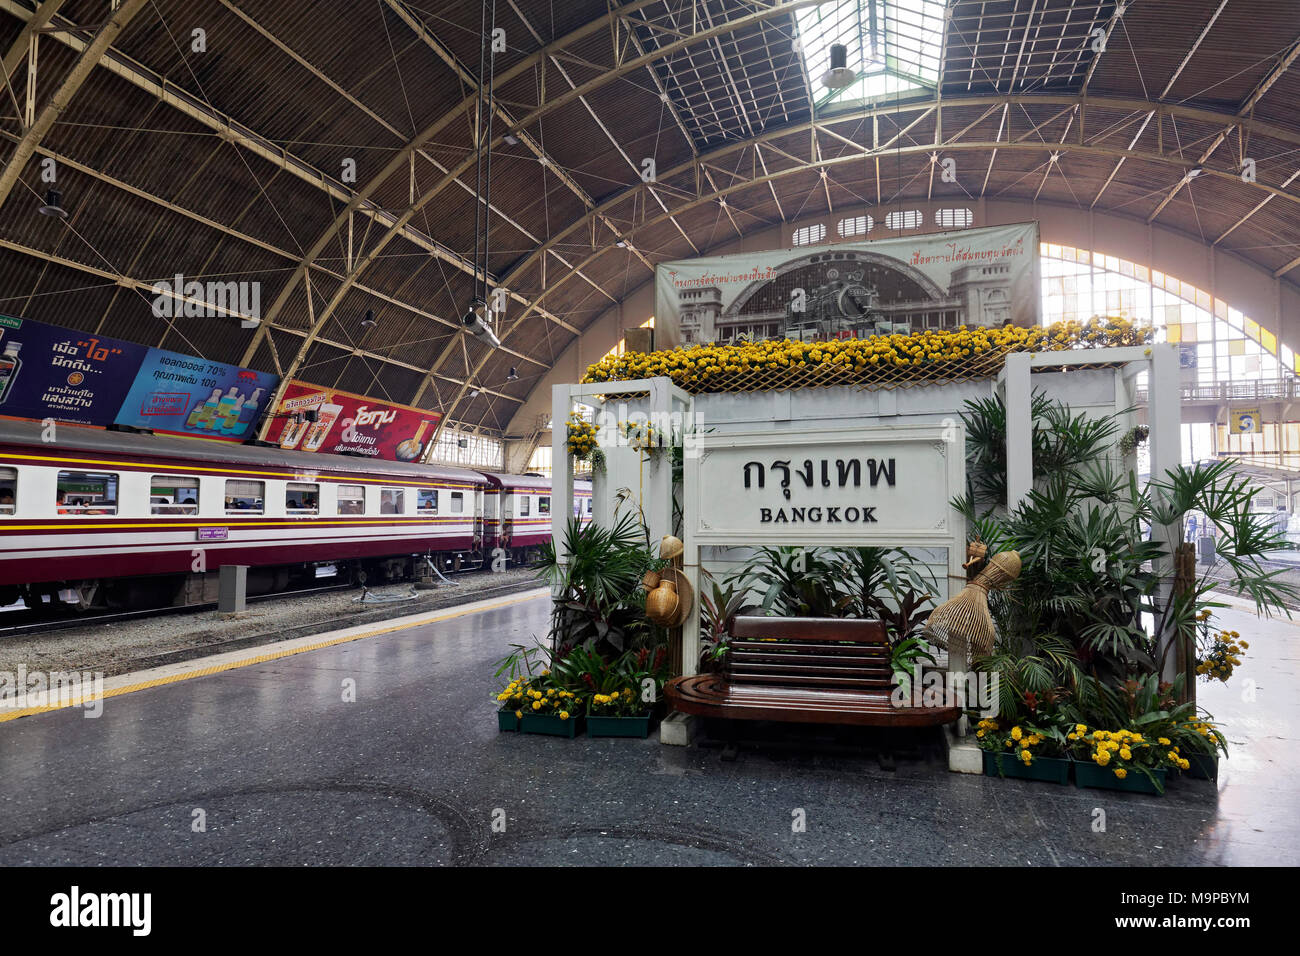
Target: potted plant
{"x": 1121, "y": 760}
{"x": 1022, "y": 751}
{"x": 1199, "y": 742}
{"x": 551, "y": 710}
{"x": 518, "y": 665}
{"x": 620, "y": 713}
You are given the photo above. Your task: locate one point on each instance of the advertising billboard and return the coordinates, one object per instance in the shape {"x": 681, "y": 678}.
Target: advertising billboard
{"x": 175, "y": 394}
{"x": 349, "y": 423}
{"x": 50, "y": 372}
{"x": 973, "y": 277}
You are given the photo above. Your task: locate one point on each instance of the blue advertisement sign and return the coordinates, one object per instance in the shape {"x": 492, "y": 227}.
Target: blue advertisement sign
{"x": 51, "y": 372}
{"x": 178, "y": 394}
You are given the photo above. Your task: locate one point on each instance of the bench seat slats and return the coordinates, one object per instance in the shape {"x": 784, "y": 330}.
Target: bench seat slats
{"x": 804, "y": 670}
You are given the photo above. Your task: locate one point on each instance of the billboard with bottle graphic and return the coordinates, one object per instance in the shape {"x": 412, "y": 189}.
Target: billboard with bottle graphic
{"x": 69, "y": 376}
{"x": 349, "y": 423}
{"x": 176, "y": 394}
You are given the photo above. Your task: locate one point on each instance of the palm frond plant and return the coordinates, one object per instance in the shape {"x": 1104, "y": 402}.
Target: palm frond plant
{"x": 795, "y": 582}
{"x": 598, "y": 602}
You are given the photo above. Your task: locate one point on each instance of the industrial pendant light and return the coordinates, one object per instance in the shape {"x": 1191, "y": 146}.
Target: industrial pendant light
{"x": 52, "y": 206}
{"x": 369, "y": 321}
{"x": 839, "y": 75}
{"x": 514, "y": 374}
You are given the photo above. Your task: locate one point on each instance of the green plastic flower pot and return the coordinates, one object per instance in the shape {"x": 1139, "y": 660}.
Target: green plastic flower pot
{"x": 1047, "y": 769}
{"x": 1202, "y": 766}
{"x": 1088, "y": 774}
{"x": 601, "y": 726}
{"x": 550, "y": 724}
{"x": 506, "y": 720}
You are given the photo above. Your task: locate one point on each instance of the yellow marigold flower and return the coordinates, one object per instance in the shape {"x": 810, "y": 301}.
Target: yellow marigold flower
{"x": 1121, "y": 772}
{"x": 537, "y": 705}
{"x": 1016, "y": 733}
{"x": 1126, "y": 754}
{"x": 564, "y": 715}
{"x": 518, "y": 714}
{"x": 1163, "y": 741}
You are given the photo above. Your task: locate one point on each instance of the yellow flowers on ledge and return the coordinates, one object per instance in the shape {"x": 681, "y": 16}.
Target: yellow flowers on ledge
{"x": 1223, "y": 656}
{"x": 880, "y": 361}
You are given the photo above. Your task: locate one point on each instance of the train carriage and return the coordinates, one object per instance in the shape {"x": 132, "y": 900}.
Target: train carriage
{"x": 124, "y": 519}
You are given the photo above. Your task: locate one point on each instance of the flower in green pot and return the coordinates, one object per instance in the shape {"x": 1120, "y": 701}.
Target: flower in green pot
{"x": 1124, "y": 752}
{"x": 514, "y": 695}
{"x": 620, "y": 703}
{"x": 554, "y": 701}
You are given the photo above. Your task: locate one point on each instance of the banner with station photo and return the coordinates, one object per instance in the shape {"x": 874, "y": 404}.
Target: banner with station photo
{"x": 349, "y": 423}
{"x": 175, "y": 394}
{"x": 69, "y": 376}
{"x": 975, "y": 277}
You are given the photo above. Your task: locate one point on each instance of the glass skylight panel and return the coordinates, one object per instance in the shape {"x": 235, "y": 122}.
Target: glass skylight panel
{"x": 892, "y": 45}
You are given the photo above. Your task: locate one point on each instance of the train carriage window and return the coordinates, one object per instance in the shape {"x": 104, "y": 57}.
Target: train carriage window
{"x": 302, "y": 498}
{"x": 173, "y": 495}
{"x": 245, "y": 497}
{"x": 8, "y": 490}
{"x": 457, "y": 502}
{"x": 523, "y": 505}
{"x": 544, "y": 505}
{"x": 392, "y": 501}
{"x": 352, "y": 500}
{"x": 588, "y": 506}
{"x": 86, "y": 493}
{"x": 428, "y": 501}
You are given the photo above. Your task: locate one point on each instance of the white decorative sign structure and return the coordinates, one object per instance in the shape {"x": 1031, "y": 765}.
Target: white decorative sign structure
{"x": 852, "y": 487}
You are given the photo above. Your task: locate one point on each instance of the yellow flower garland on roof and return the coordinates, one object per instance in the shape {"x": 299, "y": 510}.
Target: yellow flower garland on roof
{"x": 876, "y": 361}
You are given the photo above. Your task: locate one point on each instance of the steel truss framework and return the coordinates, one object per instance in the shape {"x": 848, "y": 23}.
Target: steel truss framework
{"x": 690, "y": 60}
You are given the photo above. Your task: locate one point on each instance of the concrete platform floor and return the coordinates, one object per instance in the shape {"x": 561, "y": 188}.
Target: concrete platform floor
{"x": 286, "y": 772}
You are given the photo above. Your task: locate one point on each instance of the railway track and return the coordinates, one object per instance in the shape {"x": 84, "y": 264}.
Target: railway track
{"x": 28, "y": 628}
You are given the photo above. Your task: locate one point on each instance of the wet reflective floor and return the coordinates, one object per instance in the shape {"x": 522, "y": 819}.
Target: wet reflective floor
{"x": 270, "y": 764}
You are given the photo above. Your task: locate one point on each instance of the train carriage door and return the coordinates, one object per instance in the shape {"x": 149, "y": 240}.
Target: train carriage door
{"x": 507, "y": 517}
{"x": 479, "y": 504}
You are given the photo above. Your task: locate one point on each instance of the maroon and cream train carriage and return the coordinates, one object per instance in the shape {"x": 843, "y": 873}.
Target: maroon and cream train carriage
{"x": 121, "y": 519}
{"x": 517, "y": 511}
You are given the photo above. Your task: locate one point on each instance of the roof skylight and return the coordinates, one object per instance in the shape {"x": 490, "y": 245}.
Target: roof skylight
{"x": 893, "y": 46}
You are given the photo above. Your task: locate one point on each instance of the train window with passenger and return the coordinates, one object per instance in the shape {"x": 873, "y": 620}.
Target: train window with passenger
{"x": 352, "y": 500}
{"x": 457, "y": 502}
{"x": 427, "y": 501}
{"x": 8, "y": 490}
{"x": 302, "y": 498}
{"x": 392, "y": 501}
{"x": 544, "y": 504}
{"x": 173, "y": 495}
{"x": 86, "y": 493}
{"x": 245, "y": 497}
{"x": 523, "y": 505}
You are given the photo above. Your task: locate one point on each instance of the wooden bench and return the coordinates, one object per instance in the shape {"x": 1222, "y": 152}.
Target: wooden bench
{"x": 804, "y": 670}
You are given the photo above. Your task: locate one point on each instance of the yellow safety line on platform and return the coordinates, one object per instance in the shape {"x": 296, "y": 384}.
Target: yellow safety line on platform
{"x": 263, "y": 658}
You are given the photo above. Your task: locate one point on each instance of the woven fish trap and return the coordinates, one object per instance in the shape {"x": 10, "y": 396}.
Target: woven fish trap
{"x": 964, "y": 623}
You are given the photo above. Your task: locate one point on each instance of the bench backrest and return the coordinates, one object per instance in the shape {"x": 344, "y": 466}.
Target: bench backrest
{"x": 810, "y": 652}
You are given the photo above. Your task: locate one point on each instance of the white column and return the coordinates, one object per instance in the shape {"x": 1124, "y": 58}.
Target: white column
{"x": 1018, "y": 396}
{"x": 1164, "y": 415}
{"x": 561, "y": 468}
{"x": 658, "y": 503}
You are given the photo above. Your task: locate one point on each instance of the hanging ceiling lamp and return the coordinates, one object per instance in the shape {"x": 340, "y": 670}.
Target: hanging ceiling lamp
{"x": 839, "y": 75}
{"x": 369, "y": 321}
{"x": 52, "y": 205}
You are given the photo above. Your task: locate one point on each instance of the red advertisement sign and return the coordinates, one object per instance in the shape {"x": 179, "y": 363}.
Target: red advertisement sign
{"x": 349, "y": 423}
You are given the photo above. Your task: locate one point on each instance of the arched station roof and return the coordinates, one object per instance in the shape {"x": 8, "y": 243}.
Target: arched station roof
{"x": 216, "y": 139}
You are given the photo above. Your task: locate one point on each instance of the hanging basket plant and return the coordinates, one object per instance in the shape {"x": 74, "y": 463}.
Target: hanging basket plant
{"x": 582, "y": 444}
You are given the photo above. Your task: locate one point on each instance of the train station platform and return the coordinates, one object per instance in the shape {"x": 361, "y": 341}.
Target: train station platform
{"x": 266, "y": 753}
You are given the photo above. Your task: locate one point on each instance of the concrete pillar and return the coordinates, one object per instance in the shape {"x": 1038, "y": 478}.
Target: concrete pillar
{"x": 232, "y": 588}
